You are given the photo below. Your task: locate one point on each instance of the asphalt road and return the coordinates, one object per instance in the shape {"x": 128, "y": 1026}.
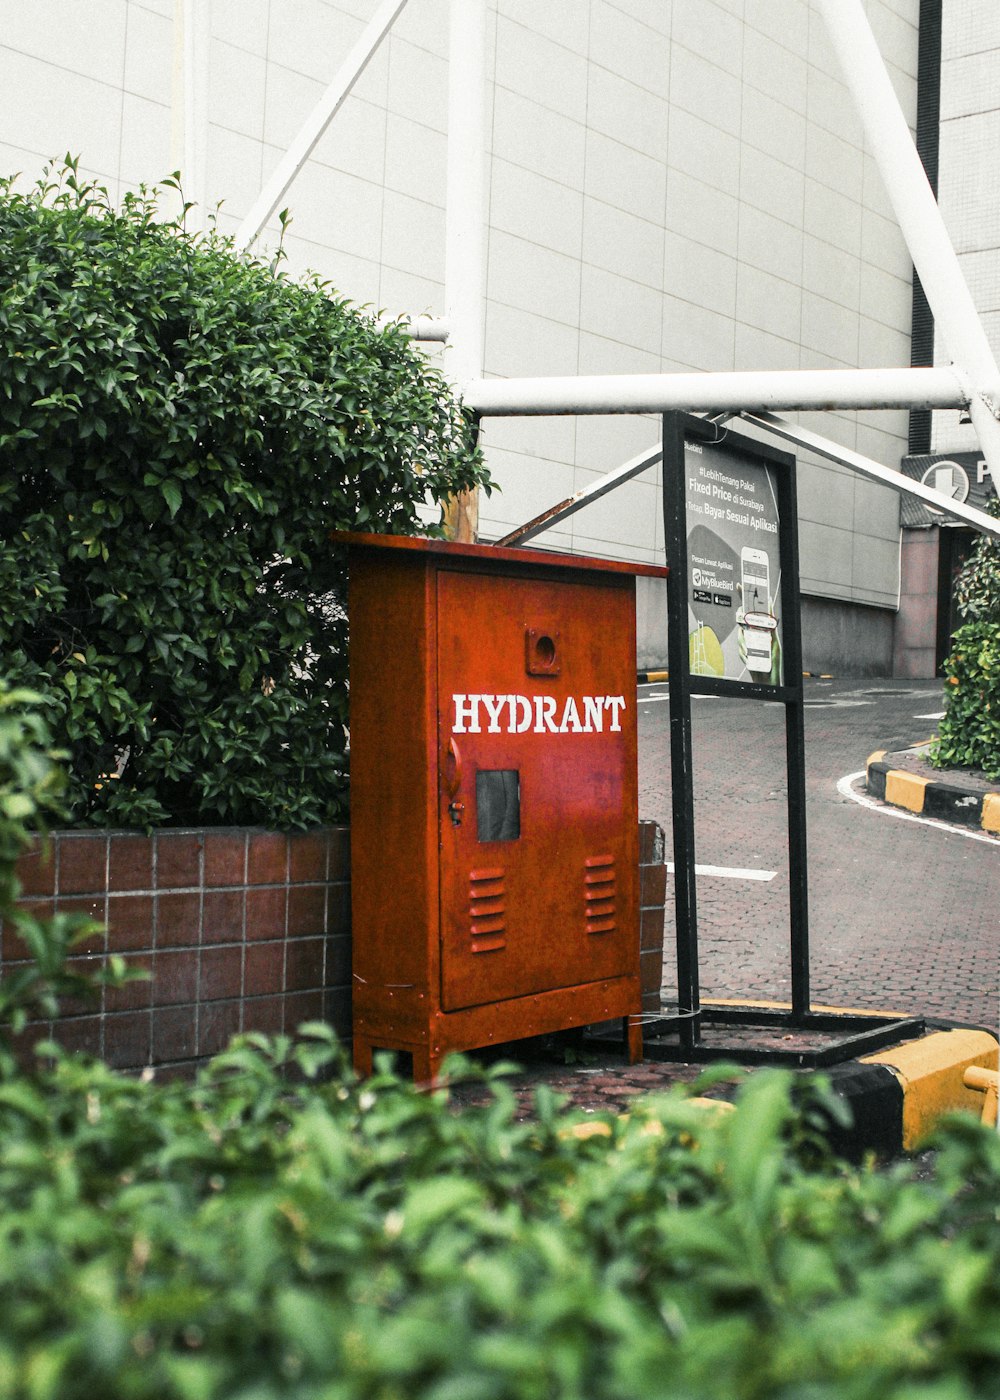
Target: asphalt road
{"x": 904, "y": 915}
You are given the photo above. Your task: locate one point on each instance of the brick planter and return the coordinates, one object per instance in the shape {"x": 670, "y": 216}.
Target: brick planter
{"x": 652, "y": 897}
{"x": 240, "y": 929}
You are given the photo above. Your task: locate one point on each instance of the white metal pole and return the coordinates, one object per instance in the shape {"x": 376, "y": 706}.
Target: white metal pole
{"x": 465, "y": 241}
{"x": 189, "y": 115}
{"x": 318, "y": 120}
{"x": 732, "y": 390}
{"x": 465, "y": 223}
{"x": 919, "y": 216}
{"x": 418, "y": 327}
{"x": 177, "y": 90}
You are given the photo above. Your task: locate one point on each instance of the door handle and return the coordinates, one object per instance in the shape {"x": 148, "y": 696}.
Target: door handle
{"x": 452, "y": 770}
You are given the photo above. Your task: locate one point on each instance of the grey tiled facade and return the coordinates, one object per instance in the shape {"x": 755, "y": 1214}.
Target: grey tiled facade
{"x": 672, "y": 185}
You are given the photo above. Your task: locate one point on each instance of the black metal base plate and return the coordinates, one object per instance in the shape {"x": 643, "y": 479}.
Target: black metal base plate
{"x": 759, "y": 1035}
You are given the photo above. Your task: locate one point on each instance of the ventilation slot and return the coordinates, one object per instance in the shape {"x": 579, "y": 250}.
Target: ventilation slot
{"x": 599, "y": 882}
{"x": 487, "y": 910}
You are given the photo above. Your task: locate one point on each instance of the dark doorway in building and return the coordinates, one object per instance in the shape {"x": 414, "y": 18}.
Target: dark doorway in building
{"x": 954, "y": 546}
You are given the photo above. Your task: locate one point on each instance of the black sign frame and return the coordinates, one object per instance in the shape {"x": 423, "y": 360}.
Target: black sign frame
{"x": 849, "y": 1033}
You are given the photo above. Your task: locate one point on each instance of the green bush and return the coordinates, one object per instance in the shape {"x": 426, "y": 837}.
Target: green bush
{"x": 256, "y": 1238}
{"x": 31, "y": 780}
{"x": 969, "y": 734}
{"x": 977, "y": 588}
{"x": 181, "y": 427}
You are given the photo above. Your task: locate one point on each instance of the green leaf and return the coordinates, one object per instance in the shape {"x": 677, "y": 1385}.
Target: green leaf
{"x": 171, "y": 493}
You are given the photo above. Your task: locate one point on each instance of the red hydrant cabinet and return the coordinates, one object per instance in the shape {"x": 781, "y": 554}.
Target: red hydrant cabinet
{"x": 493, "y": 795}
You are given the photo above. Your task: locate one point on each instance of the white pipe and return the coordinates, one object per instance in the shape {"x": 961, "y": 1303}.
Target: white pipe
{"x": 465, "y": 250}
{"x": 418, "y": 327}
{"x": 791, "y": 432}
{"x": 731, "y": 390}
{"x": 318, "y": 120}
{"x": 919, "y": 216}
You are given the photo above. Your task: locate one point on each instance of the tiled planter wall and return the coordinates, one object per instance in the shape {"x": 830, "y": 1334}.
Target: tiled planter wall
{"x": 240, "y": 930}
{"x": 652, "y": 896}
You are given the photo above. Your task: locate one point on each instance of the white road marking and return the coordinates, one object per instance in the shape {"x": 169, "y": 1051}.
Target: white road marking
{"x": 939, "y": 714}
{"x": 648, "y": 699}
{"x": 845, "y": 788}
{"x": 839, "y": 703}
{"x": 728, "y": 872}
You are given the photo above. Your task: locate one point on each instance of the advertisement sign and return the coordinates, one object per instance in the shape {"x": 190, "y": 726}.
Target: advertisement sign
{"x": 734, "y": 568}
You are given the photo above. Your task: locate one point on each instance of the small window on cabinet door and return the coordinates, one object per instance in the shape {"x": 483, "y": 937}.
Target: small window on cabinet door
{"x": 498, "y": 804}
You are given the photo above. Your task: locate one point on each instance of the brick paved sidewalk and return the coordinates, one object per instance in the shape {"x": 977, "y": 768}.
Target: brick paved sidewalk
{"x": 599, "y": 1083}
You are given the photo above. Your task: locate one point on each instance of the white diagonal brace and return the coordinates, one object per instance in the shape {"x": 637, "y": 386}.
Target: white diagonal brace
{"x": 780, "y": 427}
{"x": 601, "y": 487}
{"x": 823, "y": 447}
{"x": 919, "y": 217}
{"x": 318, "y": 120}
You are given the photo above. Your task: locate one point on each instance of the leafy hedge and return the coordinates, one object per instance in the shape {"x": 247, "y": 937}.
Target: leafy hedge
{"x": 969, "y": 734}
{"x": 244, "y": 1237}
{"x": 277, "y": 1230}
{"x": 180, "y": 428}
{"x": 977, "y": 588}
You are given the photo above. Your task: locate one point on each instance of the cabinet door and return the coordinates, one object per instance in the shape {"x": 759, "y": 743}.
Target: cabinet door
{"x": 536, "y": 703}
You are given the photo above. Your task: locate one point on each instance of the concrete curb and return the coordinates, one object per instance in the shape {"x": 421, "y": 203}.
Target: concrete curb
{"x": 947, "y": 800}
{"x": 898, "y": 1096}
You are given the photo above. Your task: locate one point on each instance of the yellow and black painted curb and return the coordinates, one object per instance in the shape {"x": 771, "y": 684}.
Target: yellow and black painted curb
{"x": 899, "y": 1095}
{"x": 948, "y": 801}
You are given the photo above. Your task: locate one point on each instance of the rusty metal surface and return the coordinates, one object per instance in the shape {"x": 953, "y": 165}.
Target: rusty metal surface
{"x": 547, "y": 908}
{"x": 494, "y": 798}
{"x": 454, "y": 551}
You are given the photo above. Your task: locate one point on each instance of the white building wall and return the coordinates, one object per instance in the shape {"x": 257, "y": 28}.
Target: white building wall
{"x": 673, "y": 184}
